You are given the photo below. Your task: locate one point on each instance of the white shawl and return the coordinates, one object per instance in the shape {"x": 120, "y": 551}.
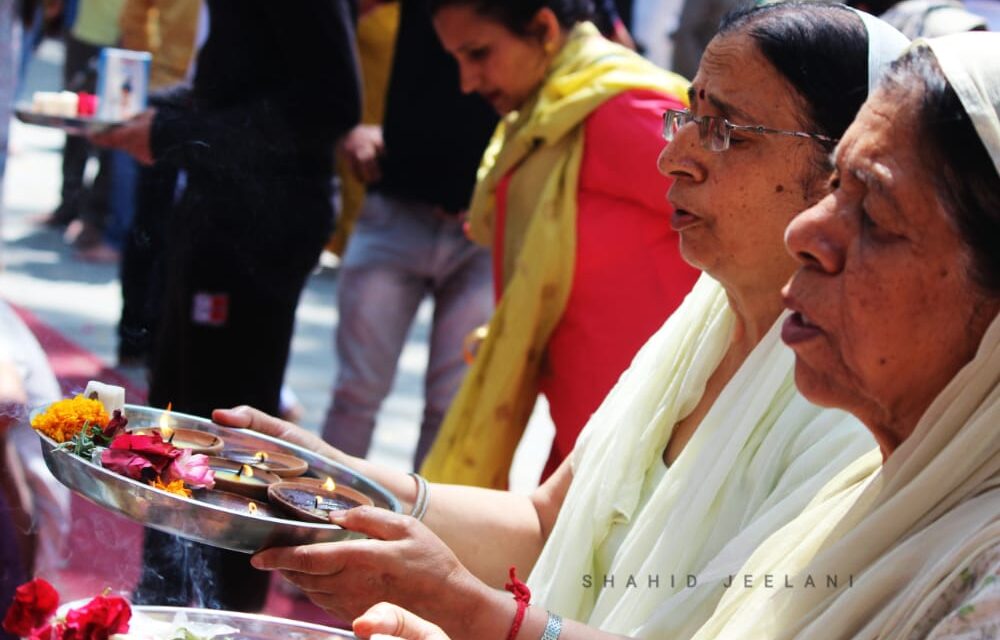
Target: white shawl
{"x": 758, "y": 457}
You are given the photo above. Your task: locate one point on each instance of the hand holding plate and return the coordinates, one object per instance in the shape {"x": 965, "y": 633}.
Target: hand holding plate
{"x": 132, "y": 137}
{"x": 403, "y": 562}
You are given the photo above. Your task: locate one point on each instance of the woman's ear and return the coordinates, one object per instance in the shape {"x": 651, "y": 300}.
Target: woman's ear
{"x": 545, "y": 26}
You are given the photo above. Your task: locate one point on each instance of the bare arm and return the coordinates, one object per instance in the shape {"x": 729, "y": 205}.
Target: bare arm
{"x": 488, "y": 530}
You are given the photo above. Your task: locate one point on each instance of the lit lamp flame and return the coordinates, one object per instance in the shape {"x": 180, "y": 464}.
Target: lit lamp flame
{"x": 252, "y": 508}
{"x": 329, "y": 484}
{"x": 166, "y": 432}
{"x": 319, "y": 501}
{"x": 260, "y": 456}
{"x": 245, "y": 470}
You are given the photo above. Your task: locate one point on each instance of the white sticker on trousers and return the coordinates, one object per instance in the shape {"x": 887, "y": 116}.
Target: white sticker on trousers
{"x": 211, "y": 309}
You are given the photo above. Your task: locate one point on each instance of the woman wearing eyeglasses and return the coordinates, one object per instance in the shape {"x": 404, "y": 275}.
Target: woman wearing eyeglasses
{"x": 704, "y": 447}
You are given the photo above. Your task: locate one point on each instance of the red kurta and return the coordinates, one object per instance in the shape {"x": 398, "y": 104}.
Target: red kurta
{"x": 629, "y": 275}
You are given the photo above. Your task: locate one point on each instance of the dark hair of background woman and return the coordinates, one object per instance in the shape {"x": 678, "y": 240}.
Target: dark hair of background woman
{"x": 960, "y": 165}
{"x": 516, "y": 15}
{"x": 821, "y": 50}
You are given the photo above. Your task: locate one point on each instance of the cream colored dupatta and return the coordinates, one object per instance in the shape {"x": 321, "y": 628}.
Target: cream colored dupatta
{"x": 906, "y": 532}
{"x": 895, "y": 538}
{"x": 757, "y": 458}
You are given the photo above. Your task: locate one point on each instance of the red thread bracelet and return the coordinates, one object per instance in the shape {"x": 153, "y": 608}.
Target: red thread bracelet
{"x": 522, "y": 595}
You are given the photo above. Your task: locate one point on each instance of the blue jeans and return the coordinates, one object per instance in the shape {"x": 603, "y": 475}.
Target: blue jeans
{"x": 121, "y": 203}
{"x": 398, "y": 253}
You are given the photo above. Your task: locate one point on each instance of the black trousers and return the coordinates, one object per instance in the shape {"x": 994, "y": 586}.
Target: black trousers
{"x": 233, "y": 284}
{"x": 79, "y": 200}
{"x": 143, "y": 264}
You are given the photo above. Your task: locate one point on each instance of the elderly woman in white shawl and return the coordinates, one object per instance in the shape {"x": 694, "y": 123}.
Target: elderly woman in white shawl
{"x": 704, "y": 448}
{"x": 896, "y": 319}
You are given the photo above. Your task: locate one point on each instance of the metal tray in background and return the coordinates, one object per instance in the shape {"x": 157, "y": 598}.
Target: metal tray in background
{"x": 77, "y": 126}
{"x": 199, "y": 521}
{"x": 251, "y": 626}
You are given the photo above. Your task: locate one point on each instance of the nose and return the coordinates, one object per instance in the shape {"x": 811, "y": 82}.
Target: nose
{"x": 818, "y": 237}
{"x": 680, "y": 158}
{"x": 468, "y": 77}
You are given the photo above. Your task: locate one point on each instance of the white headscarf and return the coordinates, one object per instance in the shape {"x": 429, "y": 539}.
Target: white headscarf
{"x": 885, "y": 44}
{"x": 971, "y": 63}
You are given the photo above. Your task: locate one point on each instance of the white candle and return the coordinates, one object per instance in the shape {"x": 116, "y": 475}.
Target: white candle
{"x": 69, "y": 104}
{"x": 111, "y": 396}
{"x": 46, "y": 102}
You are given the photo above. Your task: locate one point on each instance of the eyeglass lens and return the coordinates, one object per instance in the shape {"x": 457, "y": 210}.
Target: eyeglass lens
{"x": 712, "y": 131}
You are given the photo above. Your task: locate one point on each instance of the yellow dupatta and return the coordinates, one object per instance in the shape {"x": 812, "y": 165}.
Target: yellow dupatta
{"x": 544, "y": 143}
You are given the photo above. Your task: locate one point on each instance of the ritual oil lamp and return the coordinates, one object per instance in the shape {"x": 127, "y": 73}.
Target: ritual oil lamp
{"x": 197, "y": 441}
{"x": 280, "y": 464}
{"x": 241, "y": 478}
{"x": 312, "y": 500}
{"x": 239, "y": 504}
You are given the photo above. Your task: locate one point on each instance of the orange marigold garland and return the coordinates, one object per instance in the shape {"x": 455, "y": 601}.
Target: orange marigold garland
{"x": 66, "y": 418}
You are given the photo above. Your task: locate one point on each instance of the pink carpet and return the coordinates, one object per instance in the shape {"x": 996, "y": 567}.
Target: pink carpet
{"x": 105, "y": 549}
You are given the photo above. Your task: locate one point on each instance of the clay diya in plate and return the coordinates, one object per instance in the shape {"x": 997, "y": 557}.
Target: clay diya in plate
{"x": 242, "y": 479}
{"x": 312, "y": 500}
{"x": 239, "y": 503}
{"x": 283, "y": 465}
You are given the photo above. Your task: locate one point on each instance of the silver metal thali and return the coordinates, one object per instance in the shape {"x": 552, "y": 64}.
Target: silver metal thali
{"x": 79, "y": 125}
{"x": 251, "y": 626}
{"x": 199, "y": 521}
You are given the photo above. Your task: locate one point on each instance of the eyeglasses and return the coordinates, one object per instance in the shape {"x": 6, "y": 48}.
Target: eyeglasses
{"x": 714, "y": 131}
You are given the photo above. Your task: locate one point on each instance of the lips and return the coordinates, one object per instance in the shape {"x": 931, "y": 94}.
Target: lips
{"x": 493, "y": 97}
{"x": 798, "y": 327}
{"x": 681, "y": 219}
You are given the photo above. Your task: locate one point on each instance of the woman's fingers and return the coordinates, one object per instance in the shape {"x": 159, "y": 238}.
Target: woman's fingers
{"x": 246, "y": 417}
{"x": 312, "y": 559}
{"x": 380, "y": 524}
{"x": 389, "y": 621}
{"x": 330, "y": 558}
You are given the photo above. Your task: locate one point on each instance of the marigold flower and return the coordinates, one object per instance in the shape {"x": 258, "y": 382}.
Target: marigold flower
{"x": 176, "y": 487}
{"x": 64, "y": 419}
